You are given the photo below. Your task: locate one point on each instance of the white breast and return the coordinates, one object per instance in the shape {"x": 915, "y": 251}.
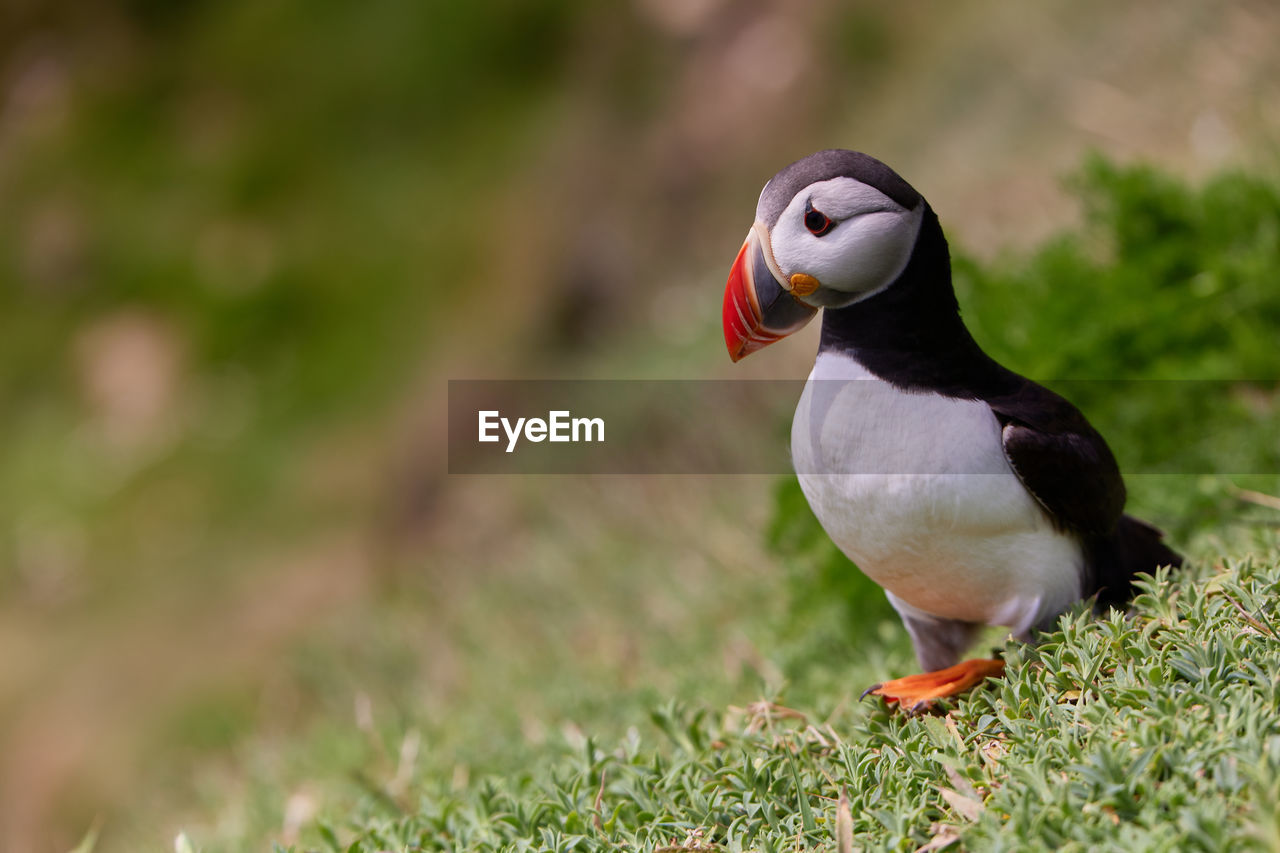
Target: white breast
{"x": 916, "y": 490}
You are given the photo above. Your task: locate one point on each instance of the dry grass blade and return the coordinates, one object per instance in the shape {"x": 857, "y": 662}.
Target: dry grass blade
{"x": 90, "y": 840}
{"x": 1259, "y": 498}
{"x": 967, "y": 807}
{"x": 961, "y": 784}
{"x": 1248, "y": 617}
{"x": 693, "y": 843}
{"x": 844, "y": 822}
{"x": 943, "y": 837}
{"x": 599, "y": 804}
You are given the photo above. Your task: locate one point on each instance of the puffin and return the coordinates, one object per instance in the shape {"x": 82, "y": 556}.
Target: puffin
{"x": 973, "y": 496}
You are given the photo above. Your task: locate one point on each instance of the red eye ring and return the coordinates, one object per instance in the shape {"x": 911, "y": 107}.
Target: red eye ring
{"x": 816, "y": 221}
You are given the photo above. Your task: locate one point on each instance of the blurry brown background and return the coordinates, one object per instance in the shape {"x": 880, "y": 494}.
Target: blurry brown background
{"x": 243, "y": 245}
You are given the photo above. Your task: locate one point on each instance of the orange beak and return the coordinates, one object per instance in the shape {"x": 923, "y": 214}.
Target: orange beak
{"x": 758, "y": 310}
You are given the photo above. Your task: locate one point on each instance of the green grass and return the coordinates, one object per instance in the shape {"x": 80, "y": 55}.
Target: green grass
{"x": 1154, "y": 730}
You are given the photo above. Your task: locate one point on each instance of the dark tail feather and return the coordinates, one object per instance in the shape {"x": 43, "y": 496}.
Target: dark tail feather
{"x": 1136, "y": 547}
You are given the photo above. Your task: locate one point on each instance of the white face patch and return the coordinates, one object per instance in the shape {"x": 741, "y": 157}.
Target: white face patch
{"x": 863, "y": 253}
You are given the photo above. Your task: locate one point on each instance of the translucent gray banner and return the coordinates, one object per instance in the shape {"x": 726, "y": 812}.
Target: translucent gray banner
{"x": 733, "y": 427}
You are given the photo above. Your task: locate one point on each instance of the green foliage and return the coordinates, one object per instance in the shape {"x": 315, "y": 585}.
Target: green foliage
{"x": 1159, "y": 731}
{"x": 1152, "y": 731}
{"x": 1164, "y": 281}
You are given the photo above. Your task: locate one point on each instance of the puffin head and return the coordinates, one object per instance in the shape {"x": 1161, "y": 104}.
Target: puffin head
{"x": 830, "y": 230}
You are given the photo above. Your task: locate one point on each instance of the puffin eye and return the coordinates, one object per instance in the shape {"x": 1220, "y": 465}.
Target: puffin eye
{"x": 816, "y": 221}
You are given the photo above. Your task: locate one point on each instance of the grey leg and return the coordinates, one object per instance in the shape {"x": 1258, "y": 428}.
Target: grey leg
{"x": 939, "y": 643}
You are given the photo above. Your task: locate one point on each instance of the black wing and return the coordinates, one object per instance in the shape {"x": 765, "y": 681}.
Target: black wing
{"x": 1060, "y": 459}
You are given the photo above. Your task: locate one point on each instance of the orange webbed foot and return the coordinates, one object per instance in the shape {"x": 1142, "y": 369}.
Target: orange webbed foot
{"x": 916, "y": 693}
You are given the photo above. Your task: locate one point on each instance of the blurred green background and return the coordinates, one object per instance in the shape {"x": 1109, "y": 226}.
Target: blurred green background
{"x": 244, "y": 245}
